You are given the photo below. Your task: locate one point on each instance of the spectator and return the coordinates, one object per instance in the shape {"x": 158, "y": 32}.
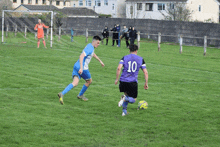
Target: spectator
{"x": 105, "y": 34}
{"x": 118, "y": 31}
{"x": 132, "y": 35}
{"x": 115, "y": 35}
{"x": 125, "y": 34}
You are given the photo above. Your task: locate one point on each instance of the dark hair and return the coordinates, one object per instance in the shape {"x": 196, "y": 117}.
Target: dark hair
{"x": 96, "y": 38}
{"x": 133, "y": 47}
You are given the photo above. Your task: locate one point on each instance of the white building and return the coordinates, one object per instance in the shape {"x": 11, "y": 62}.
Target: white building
{"x": 202, "y": 10}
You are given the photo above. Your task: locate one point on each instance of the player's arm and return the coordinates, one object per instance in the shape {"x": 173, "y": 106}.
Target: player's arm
{"x": 97, "y": 58}
{"x": 45, "y": 26}
{"x": 144, "y": 69}
{"x": 35, "y": 28}
{"x": 146, "y": 78}
{"x": 81, "y": 57}
{"x": 118, "y": 73}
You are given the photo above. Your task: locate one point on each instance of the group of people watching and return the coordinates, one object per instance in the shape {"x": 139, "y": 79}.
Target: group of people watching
{"x": 130, "y": 34}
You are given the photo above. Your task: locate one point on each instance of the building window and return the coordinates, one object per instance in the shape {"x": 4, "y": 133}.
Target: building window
{"x": 113, "y": 6}
{"x": 131, "y": 9}
{"x": 149, "y": 7}
{"x": 80, "y": 2}
{"x": 88, "y": 3}
{"x": 106, "y": 2}
{"x": 64, "y": 3}
{"x": 50, "y": 2}
{"x": 43, "y": 1}
{"x": 139, "y": 6}
{"x": 97, "y": 2}
{"x": 74, "y": 5}
{"x": 22, "y": 1}
{"x": 57, "y": 3}
{"x": 29, "y": 1}
{"x": 36, "y": 2}
{"x": 200, "y": 8}
{"x": 171, "y": 5}
{"x": 161, "y": 6}
{"x": 14, "y": 1}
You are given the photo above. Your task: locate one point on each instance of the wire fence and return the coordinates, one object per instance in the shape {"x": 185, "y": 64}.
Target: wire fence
{"x": 25, "y": 26}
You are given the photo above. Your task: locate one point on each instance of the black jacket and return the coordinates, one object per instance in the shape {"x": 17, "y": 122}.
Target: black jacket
{"x": 133, "y": 34}
{"x": 105, "y": 33}
{"x": 115, "y": 33}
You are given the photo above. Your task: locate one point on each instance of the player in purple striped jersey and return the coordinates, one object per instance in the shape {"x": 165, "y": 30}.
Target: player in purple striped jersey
{"x": 128, "y": 80}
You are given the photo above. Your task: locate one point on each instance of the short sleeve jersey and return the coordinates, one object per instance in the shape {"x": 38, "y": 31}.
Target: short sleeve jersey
{"x": 131, "y": 63}
{"x": 88, "y": 51}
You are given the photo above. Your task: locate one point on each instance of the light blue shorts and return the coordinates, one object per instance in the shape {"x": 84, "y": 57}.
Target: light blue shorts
{"x": 85, "y": 75}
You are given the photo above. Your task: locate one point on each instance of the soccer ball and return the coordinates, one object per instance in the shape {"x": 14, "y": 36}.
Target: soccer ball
{"x": 142, "y": 105}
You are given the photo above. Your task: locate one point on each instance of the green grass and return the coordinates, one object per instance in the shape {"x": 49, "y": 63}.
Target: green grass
{"x": 183, "y": 97}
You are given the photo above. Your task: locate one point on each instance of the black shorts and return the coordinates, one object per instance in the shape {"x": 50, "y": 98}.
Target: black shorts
{"x": 131, "y": 88}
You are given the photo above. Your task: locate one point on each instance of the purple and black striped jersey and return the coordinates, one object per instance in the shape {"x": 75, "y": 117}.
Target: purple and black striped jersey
{"x": 131, "y": 63}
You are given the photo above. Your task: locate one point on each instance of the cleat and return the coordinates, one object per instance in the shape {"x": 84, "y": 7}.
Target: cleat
{"x": 60, "y": 95}
{"x": 124, "y": 114}
{"x": 82, "y": 97}
{"x": 121, "y": 101}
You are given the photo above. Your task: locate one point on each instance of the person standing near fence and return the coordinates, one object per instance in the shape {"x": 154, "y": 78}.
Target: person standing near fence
{"x": 40, "y": 32}
{"x": 126, "y": 35}
{"x": 132, "y": 35}
{"x": 115, "y": 35}
{"x": 105, "y": 34}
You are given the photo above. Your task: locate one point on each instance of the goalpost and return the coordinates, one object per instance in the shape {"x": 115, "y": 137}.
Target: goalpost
{"x": 36, "y": 11}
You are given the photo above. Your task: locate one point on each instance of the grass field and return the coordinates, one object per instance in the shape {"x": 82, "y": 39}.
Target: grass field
{"x": 183, "y": 97}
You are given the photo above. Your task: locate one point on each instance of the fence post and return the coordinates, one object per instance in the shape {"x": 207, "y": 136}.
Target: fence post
{"x": 205, "y": 45}
{"x": 47, "y": 33}
{"x": 181, "y": 44}
{"x": 87, "y": 34}
{"x": 159, "y": 40}
{"x": 148, "y": 36}
{"x": 16, "y": 28}
{"x": 25, "y": 31}
{"x": 59, "y": 33}
{"x": 138, "y": 39}
{"x": 7, "y": 30}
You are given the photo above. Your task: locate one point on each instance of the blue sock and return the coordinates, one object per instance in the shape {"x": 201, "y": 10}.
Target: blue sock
{"x": 129, "y": 99}
{"x": 83, "y": 90}
{"x": 125, "y": 105}
{"x": 67, "y": 89}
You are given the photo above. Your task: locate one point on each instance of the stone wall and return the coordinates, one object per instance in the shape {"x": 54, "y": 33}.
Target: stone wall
{"x": 191, "y": 31}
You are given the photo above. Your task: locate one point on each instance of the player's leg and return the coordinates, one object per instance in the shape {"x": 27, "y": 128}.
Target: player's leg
{"x": 87, "y": 77}
{"x": 38, "y": 42}
{"x": 44, "y": 42}
{"x": 130, "y": 95}
{"x": 76, "y": 78}
{"x": 107, "y": 41}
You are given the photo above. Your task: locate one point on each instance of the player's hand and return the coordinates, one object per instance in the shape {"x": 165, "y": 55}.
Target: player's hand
{"x": 80, "y": 71}
{"x": 145, "y": 86}
{"x": 116, "y": 82}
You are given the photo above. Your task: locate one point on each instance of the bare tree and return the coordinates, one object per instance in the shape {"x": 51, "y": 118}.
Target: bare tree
{"x": 177, "y": 11}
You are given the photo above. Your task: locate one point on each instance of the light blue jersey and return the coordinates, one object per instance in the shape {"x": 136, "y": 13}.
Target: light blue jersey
{"x": 88, "y": 51}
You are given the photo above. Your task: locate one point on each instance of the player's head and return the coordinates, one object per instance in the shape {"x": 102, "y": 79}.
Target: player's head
{"x": 39, "y": 20}
{"x": 124, "y": 26}
{"x": 95, "y": 41}
{"x": 133, "y": 47}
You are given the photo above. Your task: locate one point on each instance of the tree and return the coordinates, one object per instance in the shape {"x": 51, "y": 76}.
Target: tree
{"x": 177, "y": 11}
{"x": 5, "y": 5}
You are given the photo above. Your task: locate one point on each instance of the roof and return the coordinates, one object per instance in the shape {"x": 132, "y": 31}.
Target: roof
{"x": 74, "y": 11}
{"x": 157, "y": 0}
{"x": 39, "y": 7}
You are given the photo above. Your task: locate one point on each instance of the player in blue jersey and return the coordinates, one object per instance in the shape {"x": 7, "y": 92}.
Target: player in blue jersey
{"x": 81, "y": 70}
{"x": 128, "y": 80}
